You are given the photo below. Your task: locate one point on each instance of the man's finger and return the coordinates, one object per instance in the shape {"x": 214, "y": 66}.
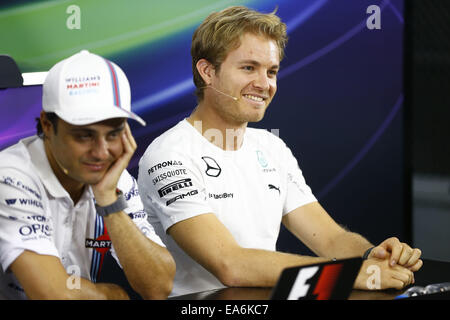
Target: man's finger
{"x": 396, "y": 251}
{"x": 379, "y": 252}
{"x": 415, "y": 256}
{"x": 396, "y": 284}
{"x": 129, "y": 143}
{"x": 407, "y": 253}
{"x": 130, "y": 136}
{"x": 417, "y": 266}
{"x": 404, "y": 276}
{"x": 122, "y": 161}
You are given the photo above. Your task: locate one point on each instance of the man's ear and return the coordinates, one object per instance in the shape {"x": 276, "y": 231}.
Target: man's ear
{"x": 206, "y": 70}
{"x": 46, "y": 125}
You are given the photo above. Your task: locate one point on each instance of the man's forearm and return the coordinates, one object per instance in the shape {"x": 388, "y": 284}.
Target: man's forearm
{"x": 260, "y": 268}
{"x": 97, "y": 291}
{"x": 140, "y": 257}
{"x": 44, "y": 277}
{"x": 254, "y": 267}
{"x": 347, "y": 244}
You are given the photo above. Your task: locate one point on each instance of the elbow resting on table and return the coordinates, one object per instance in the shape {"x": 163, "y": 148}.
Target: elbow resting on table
{"x": 229, "y": 274}
{"x": 162, "y": 283}
{"x": 156, "y": 293}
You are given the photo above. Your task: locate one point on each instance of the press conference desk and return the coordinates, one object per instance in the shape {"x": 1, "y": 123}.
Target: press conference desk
{"x": 432, "y": 271}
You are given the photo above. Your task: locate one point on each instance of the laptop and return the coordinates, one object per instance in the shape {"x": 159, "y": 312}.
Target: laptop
{"x": 331, "y": 280}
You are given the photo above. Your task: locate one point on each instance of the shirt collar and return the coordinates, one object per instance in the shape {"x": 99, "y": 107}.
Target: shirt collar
{"x": 40, "y": 161}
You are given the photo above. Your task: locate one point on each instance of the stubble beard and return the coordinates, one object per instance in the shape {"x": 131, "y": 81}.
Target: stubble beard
{"x": 236, "y": 115}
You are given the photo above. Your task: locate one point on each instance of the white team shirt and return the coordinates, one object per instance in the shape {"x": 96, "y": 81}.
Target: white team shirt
{"x": 37, "y": 214}
{"x": 183, "y": 175}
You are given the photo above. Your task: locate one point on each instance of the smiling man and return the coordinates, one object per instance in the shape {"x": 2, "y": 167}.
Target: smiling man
{"x": 66, "y": 198}
{"x": 216, "y": 191}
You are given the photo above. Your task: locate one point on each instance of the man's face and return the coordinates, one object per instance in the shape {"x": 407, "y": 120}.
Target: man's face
{"x": 85, "y": 152}
{"x": 250, "y": 74}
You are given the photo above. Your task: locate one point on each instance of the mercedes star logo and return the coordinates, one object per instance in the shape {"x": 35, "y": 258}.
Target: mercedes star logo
{"x": 212, "y": 167}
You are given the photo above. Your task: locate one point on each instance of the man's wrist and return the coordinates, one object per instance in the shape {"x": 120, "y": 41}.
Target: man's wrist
{"x": 105, "y": 199}
{"x": 117, "y": 205}
{"x": 367, "y": 253}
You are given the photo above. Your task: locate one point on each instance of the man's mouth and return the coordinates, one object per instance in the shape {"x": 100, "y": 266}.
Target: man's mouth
{"x": 254, "y": 97}
{"x": 95, "y": 166}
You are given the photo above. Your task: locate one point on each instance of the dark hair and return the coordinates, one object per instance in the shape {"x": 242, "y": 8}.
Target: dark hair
{"x": 53, "y": 118}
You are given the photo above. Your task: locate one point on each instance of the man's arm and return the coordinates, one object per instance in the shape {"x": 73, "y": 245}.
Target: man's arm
{"x": 138, "y": 255}
{"x": 149, "y": 267}
{"x": 312, "y": 225}
{"x": 317, "y": 230}
{"x": 210, "y": 243}
{"x": 44, "y": 277}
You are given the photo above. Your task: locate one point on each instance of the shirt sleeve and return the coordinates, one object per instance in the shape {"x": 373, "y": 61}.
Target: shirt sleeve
{"x": 25, "y": 221}
{"x": 171, "y": 186}
{"x": 298, "y": 192}
{"x": 135, "y": 209}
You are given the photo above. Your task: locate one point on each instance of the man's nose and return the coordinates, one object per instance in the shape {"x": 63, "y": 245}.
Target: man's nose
{"x": 100, "y": 149}
{"x": 262, "y": 81}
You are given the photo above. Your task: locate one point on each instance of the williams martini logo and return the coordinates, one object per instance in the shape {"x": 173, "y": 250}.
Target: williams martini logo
{"x": 102, "y": 244}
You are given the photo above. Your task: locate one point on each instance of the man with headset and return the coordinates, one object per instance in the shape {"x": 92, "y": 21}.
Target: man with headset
{"x": 66, "y": 198}
{"x": 216, "y": 191}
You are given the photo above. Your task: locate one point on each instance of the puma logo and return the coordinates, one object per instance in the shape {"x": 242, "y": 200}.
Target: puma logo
{"x": 271, "y": 186}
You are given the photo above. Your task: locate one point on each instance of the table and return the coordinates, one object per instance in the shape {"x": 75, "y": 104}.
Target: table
{"x": 432, "y": 271}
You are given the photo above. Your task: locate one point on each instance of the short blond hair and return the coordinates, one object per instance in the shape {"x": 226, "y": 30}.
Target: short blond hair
{"x": 220, "y": 33}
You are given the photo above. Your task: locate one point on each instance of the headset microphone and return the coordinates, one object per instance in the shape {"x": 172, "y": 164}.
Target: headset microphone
{"x": 234, "y": 98}
{"x": 66, "y": 172}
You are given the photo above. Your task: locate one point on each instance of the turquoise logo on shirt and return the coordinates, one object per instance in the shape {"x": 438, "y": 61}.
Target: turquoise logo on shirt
{"x": 261, "y": 159}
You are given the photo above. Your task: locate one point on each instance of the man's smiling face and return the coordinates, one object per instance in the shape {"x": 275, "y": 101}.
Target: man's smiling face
{"x": 85, "y": 152}
{"x": 250, "y": 74}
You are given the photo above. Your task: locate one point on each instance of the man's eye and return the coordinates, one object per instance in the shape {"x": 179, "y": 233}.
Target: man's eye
{"x": 248, "y": 68}
{"x": 273, "y": 72}
{"x": 83, "y": 137}
{"x": 114, "y": 135}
